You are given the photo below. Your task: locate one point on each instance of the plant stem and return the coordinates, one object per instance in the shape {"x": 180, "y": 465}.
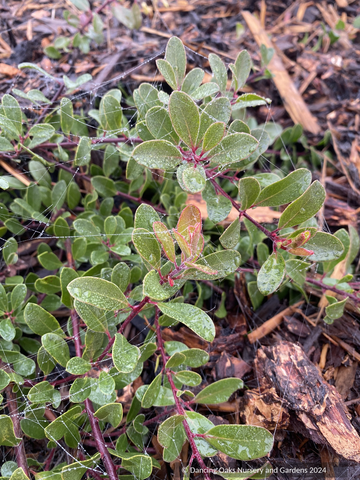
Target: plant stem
{"x": 90, "y": 17}
{"x": 179, "y": 408}
{"x": 13, "y": 411}
{"x": 100, "y": 443}
{"x": 96, "y": 141}
{"x": 132, "y": 315}
{"x": 271, "y": 235}
{"x": 322, "y": 285}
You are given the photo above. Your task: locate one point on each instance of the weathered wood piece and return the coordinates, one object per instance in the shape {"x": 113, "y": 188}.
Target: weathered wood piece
{"x": 293, "y": 101}
{"x": 292, "y": 386}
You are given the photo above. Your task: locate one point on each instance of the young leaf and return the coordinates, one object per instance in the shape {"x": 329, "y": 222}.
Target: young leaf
{"x": 304, "y": 207}
{"x": 66, "y": 115}
{"x": 219, "y": 71}
{"x": 83, "y": 151}
{"x": 335, "y": 310}
{"x": 243, "y": 442}
{"x": 285, "y": 190}
{"x": 167, "y": 72}
{"x": 213, "y": 135}
{"x": 12, "y": 111}
{"x": 194, "y": 318}
{"x": 271, "y": 274}
{"x": 218, "y": 110}
{"x": 185, "y": 117}
{"x": 218, "y": 207}
{"x": 176, "y": 56}
{"x": 97, "y": 292}
{"x": 7, "y": 330}
{"x": 241, "y": 69}
{"x": 171, "y": 436}
{"x": 296, "y": 270}
{"x": 249, "y": 190}
{"x": 193, "y": 178}
{"x": 157, "y": 154}
{"x": 219, "y": 391}
{"x": 78, "y": 366}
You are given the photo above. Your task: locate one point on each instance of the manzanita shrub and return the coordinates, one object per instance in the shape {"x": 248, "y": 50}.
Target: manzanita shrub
{"x": 101, "y": 264}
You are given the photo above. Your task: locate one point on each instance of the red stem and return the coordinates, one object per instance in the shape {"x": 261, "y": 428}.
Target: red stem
{"x": 322, "y": 285}
{"x": 132, "y": 315}
{"x": 179, "y": 408}
{"x": 91, "y": 16}
{"x": 14, "y": 414}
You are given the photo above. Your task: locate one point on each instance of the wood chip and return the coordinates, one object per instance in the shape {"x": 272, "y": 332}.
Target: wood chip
{"x": 8, "y": 70}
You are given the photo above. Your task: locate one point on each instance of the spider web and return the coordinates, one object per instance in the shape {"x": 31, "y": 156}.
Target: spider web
{"x": 39, "y": 232}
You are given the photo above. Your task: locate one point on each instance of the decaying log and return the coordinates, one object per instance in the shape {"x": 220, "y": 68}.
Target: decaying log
{"x": 292, "y": 386}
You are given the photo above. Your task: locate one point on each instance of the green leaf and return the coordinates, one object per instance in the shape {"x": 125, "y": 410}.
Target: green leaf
{"x": 76, "y": 470}
{"x": 354, "y": 246}
{"x": 256, "y": 297}
{"x": 271, "y": 274}
{"x": 7, "y": 434}
{"x": 285, "y": 190}
{"x": 95, "y": 318}
{"x": 40, "y": 133}
{"x": 296, "y": 270}
{"x": 249, "y": 100}
{"x": 231, "y": 237}
{"x": 45, "y": 361}
{"x": 19, "y": 474}
{"x": 5, "y": 146}
{"x": 98, "y": 293}
{"x": 164, "y": 237}
{"x": 249, "y": 190}
{"x": 40, "y": 321}
{"x": 199, "y": 425}
{"x": 206, "y": 90}
{"x": 213, "y": 135}
{"x": 167, "y": 72}
{"x": 139, "y": 465}
{"x": 192, "y": 379}
{"x": 156, "y": 291}
{"x": 43, "y": 392}
{"x": 81, "y": 4}
{"x": 104, "y": 186}
{"x": 194, "y": 318}
{"x": 56, "y": 347}
{"x": 218, "y": 110}
{"x": 49, "y": 284}
{"x": 78, "y": 366}
{"x": 243, "y": 442}
{"x": 152, "y": 392}
{"x": 39, "y": 173}
{"x": 326, "y": 247}
{"x": 66, "y": 115}
{"x": 171, "y": 435}
{"x": 80, "y": 390}
{"x": 343, "y": 236}
{"x": 175, "y": 360}
{"x": 233, "y": 148}
{"x": 49, "y": 261}
{"x": 12, "y": 111}
{"x": 176, "y": 56}
{"x": 57, "y": 429}
{"x": 219, "y": 392}
{"x": 111, "y": 413}
{"x": 83, "y": 151}
{"x": 66, "y": 276}
{"x": 125, "y": 355}
{"x": 241, "y": 69}
{"x": 304, "y": 207}
{"x": 193, "y": 178}
{"x": 7, "y": 330}
{"x": 111, "y": 160}
{"x": 185, "y": 117}
{"x": 218, "y": 207}
{"x": 87, "y": 229}
{"x": 110, "y": 112}
{"x": 3, "y": 299}
{"x": 224, "y": 262}
{"x": 160, "y": 126}
{"x": 4, "y": 379}
{"x": 219, "y": 71}
{"x": 335, "y": 310}
{"x": 157, "y": 154}
{"x": 147, "y": 246}
{"x": 145, "y": 216}
{"x": 193, "y": 80}
{"x": 121, "y": 276}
